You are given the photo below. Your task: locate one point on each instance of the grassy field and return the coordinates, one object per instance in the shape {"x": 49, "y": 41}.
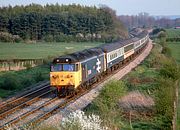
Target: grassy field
{"x": 173, "y": 33}
{"x": 175, "y": 49}
{"x": 40, "y": 50}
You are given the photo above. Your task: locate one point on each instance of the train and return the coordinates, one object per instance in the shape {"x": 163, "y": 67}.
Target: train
{"x": 71, "y": 73}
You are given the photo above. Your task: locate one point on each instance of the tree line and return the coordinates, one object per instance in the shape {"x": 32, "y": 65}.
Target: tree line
{"x": 145, "y": 20}
{"x": 61, "y": 23}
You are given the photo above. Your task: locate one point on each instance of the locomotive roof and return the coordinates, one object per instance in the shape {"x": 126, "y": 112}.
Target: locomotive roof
{"x": 79, "y": 56}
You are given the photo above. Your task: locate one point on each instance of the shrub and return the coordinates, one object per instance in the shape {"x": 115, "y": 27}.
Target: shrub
{"x": 170, "y": 70}
{"x": 79, "y": 121}
{"x": 164, "y": 100}
{"x": 48, "y": 38}
{"x": 106, "y": 105}
{"x": 27, "y": 82}
{"x": 10, "y": 82}
{"x": 167, "y": 51}
{"x": 38, "y": 76}
{"x": 7, "y": 37}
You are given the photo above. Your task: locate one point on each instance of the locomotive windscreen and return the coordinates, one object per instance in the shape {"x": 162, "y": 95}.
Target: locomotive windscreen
{"x": 63, "y": 67}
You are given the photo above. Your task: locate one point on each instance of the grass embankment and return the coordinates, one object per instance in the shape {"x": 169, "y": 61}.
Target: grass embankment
{"x": 153, "y": 81}
{"x": 40, "y": 50}
{"x": 175, "y": 49}
{"x": 14, "y": 81}
{"x": 173, "y": 35}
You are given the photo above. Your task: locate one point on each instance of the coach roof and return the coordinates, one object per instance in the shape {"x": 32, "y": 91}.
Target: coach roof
{"x": 113, "y": 46}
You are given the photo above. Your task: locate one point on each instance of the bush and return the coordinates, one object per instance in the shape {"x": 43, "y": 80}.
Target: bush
{"x": 164, "y": 101}
{"x": 167, "y": 51}
{"x": 78, "y": 120}
{"x": 38, "y": 76}
{"x": 7, "y": 37}
{"x": 10, "y": 82}
{"x": 27, "y": 82}
{"x": 170, "y": 70}
{"x": 106, "y": 105}
{"x": 18, "y": 80}
{"x": 48, "y": 38}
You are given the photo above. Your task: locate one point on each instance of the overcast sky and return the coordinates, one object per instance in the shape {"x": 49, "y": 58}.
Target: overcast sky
{"x": 130, "y": 7}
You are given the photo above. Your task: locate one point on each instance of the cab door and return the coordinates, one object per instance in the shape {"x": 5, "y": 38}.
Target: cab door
{"x": 84, "y": 72}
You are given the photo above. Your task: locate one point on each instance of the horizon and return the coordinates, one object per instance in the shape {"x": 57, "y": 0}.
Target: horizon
{"x": 134, "y": 7}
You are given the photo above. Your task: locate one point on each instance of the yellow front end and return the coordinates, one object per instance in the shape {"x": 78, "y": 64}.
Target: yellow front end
{"x": 65, "y": 78}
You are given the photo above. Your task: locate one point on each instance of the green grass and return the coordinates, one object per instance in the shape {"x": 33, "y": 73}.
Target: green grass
{"x": 173, "y": 33}
{"x": 4, "y": 93}
{"x": 175, "y": 50}
{"x": 40, "y": 50}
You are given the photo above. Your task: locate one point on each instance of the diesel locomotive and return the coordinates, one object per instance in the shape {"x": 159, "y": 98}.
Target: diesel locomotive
{"x": 73, "y": 72}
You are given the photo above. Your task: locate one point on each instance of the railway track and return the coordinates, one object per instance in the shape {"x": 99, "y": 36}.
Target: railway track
{"x": 24, "y": 115}
{"x": 13, "y": 106}
{"x": 22, "y": 99}
{"x": 43, "y": 111}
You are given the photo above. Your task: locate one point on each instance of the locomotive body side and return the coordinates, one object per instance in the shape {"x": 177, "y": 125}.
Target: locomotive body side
{"x": 92, "y": 67}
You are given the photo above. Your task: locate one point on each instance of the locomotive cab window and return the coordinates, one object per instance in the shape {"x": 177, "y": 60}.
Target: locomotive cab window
{"x": 68, "y": 67}
{"x": 56, "y": 67}
{"x": 64, "y": 67}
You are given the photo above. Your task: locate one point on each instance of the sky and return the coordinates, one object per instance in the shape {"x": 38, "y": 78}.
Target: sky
{"x": 122, "y": 7}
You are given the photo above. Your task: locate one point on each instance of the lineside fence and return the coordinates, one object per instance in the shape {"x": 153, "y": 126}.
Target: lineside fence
{"x": 19, "y": 64}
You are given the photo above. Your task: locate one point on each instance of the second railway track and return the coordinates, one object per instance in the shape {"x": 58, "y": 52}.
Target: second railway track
{"x": 22, "y": 99}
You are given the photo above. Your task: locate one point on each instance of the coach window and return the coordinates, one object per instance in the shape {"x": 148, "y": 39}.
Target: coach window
{"x": 110, "y": 57}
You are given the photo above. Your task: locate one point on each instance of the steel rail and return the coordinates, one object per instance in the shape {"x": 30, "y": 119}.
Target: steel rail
{"x": 29, "y": 102}
{"x": 24, "y": 98}
{"x": 8, "y": 101}
{"x": 17, "y": 119}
